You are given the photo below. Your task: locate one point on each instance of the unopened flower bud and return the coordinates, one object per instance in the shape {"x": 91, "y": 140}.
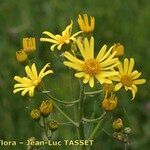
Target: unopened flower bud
{"x": 46, "y": 107}
{"x": 119, "y": 136}
{"x": 117, "y": 124}
{"x": 108, "y": 88}
{"x": 35, "y": 114}
{"x": 110, "y": 103}
{"x": 21, "y": 56}
{"x": 29, "y": 44}
{"x": 127, "y": 130}
{"x": 53, "y": 125}
{"x": 119, "y": 49}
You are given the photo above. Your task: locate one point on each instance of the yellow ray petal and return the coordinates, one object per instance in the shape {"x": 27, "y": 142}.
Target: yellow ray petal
{"x": 126, "y": 65}
{"x": 101, "y": 53}
{"x": 24, "y": 91}
{"x": 72, "y": 65}
{"x": 34, "y": 71}
{"x": 17, "y": 90}
{"x": 91, "y": 81}
{"x": 79, "y": 74}
{"x": 48, "y": 40}
{"x": 81, "y": 48}
{"x": 118, "y": 86}
{"x": 120, "y": 67}
{"x": 136, "y": 76}
{"x": 92, "y": 47}
{"x": 31, "y": 91}
{"x": 139, "y": 81}
{"x": 131, "y": 65}
{"x": 18, "y": 79}
{"x": 86, "y": 79}
{"x": 87, "y": 48}
{"x": 29, "y": 72}
{"x": 107, "y": 54}
{"x": 49, "y": 34}
{"x": 72, "y": 58}
{"x": 109, "y": 73}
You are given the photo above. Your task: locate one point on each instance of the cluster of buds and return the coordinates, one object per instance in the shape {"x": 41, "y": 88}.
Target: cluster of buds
{"x": 29, "y": 45}
{"x": 121, "y": 133}
{"x": 44, "y": 110}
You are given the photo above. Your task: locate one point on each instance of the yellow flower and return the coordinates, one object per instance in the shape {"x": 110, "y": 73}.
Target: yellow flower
{"x": 109, "y": 104}
{"x": 99, "y": 67}
{"x": 117, "y": 124}
{"x": 127, "y": 77}
{"x": 59, "y": 40}
{"x": 119, "y": 48}
{"x": 85, "y": 25}
{"x": 29, "y": 44}
{"x": 29, "y": 83}
{"x": 21, "y": 56}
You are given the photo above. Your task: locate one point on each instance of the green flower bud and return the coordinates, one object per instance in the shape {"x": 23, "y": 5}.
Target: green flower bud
{"x": 117, "y": 124}
{"x": 53, "y": 125}
{"x": 127, "y": 130}
{"x": 35, "y": 114}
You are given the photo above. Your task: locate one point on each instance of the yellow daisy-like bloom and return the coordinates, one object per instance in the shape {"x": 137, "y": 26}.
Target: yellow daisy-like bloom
{"x": 127, "y": 77}
{"x": 29, "y": 83}
{"x": 59, "y": 40}
{"x": 99, "y": 67}
{"x": 86, "y": 25}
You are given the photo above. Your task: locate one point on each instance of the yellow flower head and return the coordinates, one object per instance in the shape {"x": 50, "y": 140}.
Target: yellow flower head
{"x": 127, "y": 77}
{"x": 33, "y": 79}
{"x": 109, "y": 104}
{"x": 90, "y": 67}
{"x": 119, "y": 48}
{"x": 59, "y": 40}
{"x": 86, "y": 25}
{"x": 29, "y": 44}
{"x": 21, "y": 56}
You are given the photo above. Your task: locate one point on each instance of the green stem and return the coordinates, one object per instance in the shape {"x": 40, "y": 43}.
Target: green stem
{"x": 45, "y": 127}
{"x": 75, "y": 110}
{"x": 94, "y": 120}
{"x": 65, "y": 115}
{"x": 62, "y": 112}
{"x": 96, "y": 129}
{"x": 81, "y": 111}
{"x": 93, "y": 92}
{"x": 60, "y": 101}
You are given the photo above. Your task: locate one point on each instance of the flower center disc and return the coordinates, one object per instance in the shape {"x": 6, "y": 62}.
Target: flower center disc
{"x": 91, "y": 67}
{"x": 126, "y": 80}
{"x": 62, "y": 39}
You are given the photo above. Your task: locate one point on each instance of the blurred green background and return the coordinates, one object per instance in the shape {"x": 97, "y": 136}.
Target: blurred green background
{"x": 125, "y": 21}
